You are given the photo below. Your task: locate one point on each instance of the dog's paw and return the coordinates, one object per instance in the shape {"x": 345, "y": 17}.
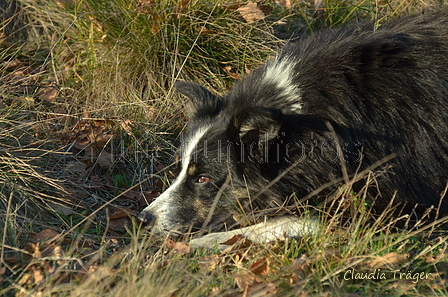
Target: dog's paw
{"x": 275, "y": 229}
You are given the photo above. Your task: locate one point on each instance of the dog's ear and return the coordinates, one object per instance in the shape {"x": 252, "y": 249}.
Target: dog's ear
{"x": 202, "y": 101}
{"x": 259, "y": 126}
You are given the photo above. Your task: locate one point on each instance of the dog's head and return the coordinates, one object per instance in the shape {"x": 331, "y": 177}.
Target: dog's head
{"x": 221, "y": 145}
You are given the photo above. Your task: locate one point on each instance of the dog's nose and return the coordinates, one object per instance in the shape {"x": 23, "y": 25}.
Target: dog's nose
{"x": 146, "y": 217}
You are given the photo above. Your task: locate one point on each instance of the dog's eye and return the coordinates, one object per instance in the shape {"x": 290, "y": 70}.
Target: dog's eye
{"x": 203, "y": 179}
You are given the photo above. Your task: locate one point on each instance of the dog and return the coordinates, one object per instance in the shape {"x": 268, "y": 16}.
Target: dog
{"x": 323, "y": 109}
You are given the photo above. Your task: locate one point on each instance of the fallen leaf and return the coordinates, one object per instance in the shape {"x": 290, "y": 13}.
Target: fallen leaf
{"x": 234, "y": 239}
{"x": 430, "y": 258}
{"x": 25, "y": 280}
{"x": 391, "y": 259}
{"x": 237, "y": 241}
{"x": 204, "y": 30}
{"x": 37, "y": 273}
{"x": 44, "y": 236}
{"x": 234, "y": 75}
{"x": 61, "y": 110}
{"x": 61, "y": 209}
{"x": 147, "y": 197}
{"x": 97, "y": 272}
{"x": 250, "y": 12}
{"x": 10, "y": 65}
{"x": 127, "y": 127}
{"x": 124, "y": 212}
{"x": 105, "y": 159}
{"x": 159, "y": 183}
{"x": 285, "y": 3}
{"x": 131, "y": 195}
{"x": 244, "y": 279}
{"x": 119, "y": 224}
{"x": 401, "y": 287}
{"x": 81, "y": 144}
{"x": 209, "y": 263}
{"x": 102, "y": 140}
{"x": 48, "y": 93}
{"x": 260, "y": 267}
{"x": 178, "y": 248}
{"x": 260, "y": 289}
{"x": 301, "y": 266}
{"x": 181, "y": 248}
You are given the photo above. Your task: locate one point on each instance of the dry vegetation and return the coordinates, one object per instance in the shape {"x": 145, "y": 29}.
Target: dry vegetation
{"x": 88, "y": 122}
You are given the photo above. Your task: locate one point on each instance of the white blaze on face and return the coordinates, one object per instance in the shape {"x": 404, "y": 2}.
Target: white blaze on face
{"x": 163, "y": 206}
{"x": 280, "y": 72}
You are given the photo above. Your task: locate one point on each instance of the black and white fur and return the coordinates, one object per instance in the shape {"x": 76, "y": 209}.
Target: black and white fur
{"x": 382, "y": 92}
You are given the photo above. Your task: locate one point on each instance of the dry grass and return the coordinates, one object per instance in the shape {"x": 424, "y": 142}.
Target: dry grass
{"x": 87, "y": 111}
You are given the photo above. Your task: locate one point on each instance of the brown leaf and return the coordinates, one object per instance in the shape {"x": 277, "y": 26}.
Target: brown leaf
{"x": 260, "y": 267}
{"x": 285, "y": 3}
{"x": 119, "y": 224}
{"x": 37, "y": 273}
{"x": 204, "y": 30}
{"x": 430, "y": 258}
{"x": 244, "y": 279}
{"x": 402, "y": 286}
{"x": 127, "y": 127}
{"x": 48, "y": 93}
{"x": 60, "y": 110}
{"x": 25, "y": 280}
{"x": 209, "y": 263}
{"x": 105, "y": 159}
{"x": 81, "y": 144}
{"x": 250, "y": 12}
{"x": 97, "y": 272}
{"x": 44, "y": 236}
{"x": 131, "y": 195}
{"x": 147, "y": 197}
{"x": 181, "y": 248}
{"x": 238, "y": 241}
{"x": 234, "y": 239}
{"x": 102, "y": 140}
{"x": 62, "y": 209}
{"x": 10, "y": 65}
{"x": 388, "y": 260}
{"x": 177, "y": 248}
{"x": 41, "y": 244}
{"x": 159, "y": 183}
{"x": 260, "y": 290}
{"x": 234, "y": 75}
{"x": 301, "y": 266}
{"x": 124, "y": 212}
{"x": 33, "y": 250}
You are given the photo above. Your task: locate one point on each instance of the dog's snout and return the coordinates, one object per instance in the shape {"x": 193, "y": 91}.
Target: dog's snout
{"x": 146, "y": 217}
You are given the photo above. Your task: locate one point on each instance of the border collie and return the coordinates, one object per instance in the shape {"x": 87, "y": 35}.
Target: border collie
{"x": 326, "y": 107}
